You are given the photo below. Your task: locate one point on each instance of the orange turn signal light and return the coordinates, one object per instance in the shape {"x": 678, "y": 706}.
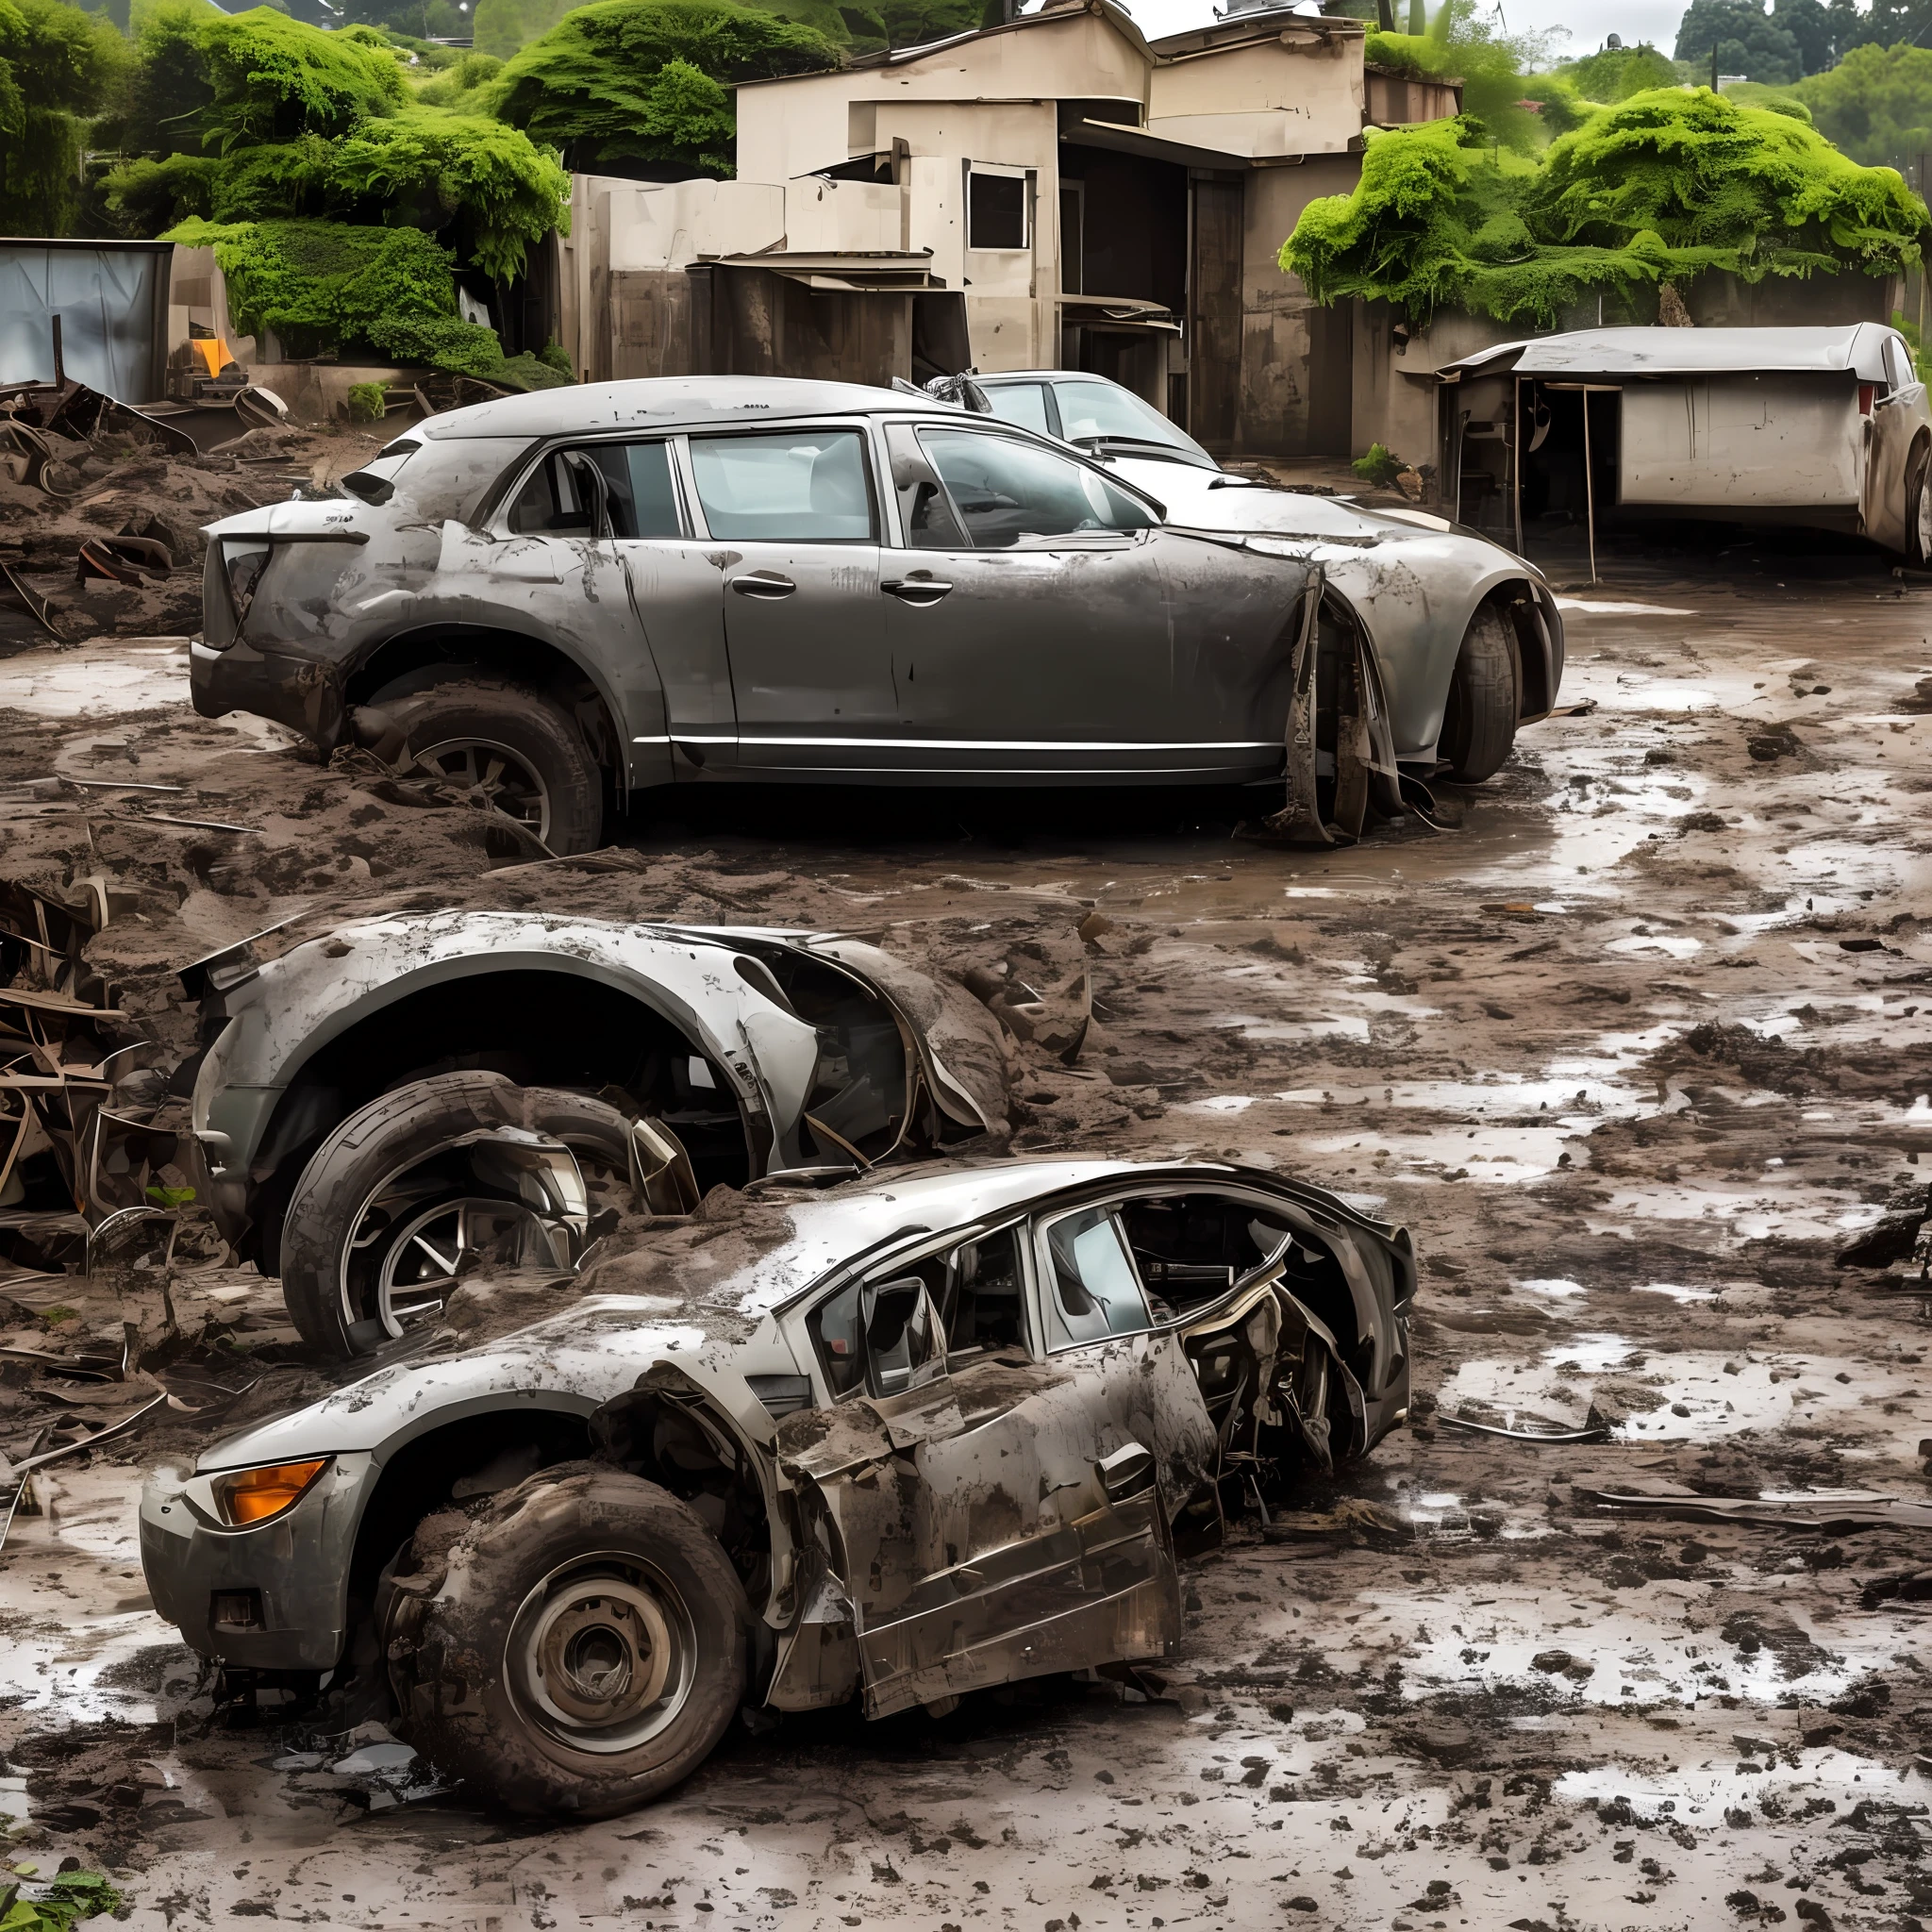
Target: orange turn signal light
{"x": 253, "y": 1495}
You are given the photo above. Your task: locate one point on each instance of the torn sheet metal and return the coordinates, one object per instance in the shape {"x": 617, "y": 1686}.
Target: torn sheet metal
{"x": 1832, "y": 1514}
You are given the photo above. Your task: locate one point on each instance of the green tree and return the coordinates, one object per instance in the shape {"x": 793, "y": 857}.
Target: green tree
{"x": 1748, "y": 41}
{"x": 1467, "y": 45}
{"x": 502, "y": 26}
{"x": 275, "y": 79}
{"x": 1875, "y": 104}
{"x": 913, "y": 22}
{"x": 1664, "y": 187}
{"x": 1810, "y": 24}
{"x": 1616, "y": 73}
{"x": 58, "y": 67}
{"x": 640, "y": 80}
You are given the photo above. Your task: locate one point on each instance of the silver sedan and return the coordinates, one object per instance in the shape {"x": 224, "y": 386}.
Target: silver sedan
{"x": 558, "y": 600}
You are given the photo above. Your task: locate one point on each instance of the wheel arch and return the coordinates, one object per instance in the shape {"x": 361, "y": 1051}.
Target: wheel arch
{"x": 320, "y": 1083}
{"x": 396, "y": 667}
{"x": 1531, "y": 613}
{"x": 419, "y": 1464}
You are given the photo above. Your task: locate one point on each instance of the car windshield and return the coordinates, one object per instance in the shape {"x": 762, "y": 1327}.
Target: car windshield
{"x": 1097, "y": 411}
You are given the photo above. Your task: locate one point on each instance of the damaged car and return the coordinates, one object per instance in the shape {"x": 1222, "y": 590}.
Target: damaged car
{"x": 557, "y": 602}
{"x": 386, "y": 1106}
{"x": 898, "y": 1441}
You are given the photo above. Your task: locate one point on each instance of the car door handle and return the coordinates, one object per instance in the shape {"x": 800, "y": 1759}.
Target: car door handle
{"x": 916, "y": 591}
{"x": 763, "y": 583}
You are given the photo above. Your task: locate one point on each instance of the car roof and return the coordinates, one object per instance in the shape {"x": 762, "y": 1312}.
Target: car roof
{"x": 669, "y": 402}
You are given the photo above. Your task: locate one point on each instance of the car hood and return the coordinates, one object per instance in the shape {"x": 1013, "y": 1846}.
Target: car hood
{"x": 1213, "y": 500}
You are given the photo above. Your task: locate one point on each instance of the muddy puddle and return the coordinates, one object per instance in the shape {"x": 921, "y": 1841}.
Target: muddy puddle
{"x": 1634, "y": 1049}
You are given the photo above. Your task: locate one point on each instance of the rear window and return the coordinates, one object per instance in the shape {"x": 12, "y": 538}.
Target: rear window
{"x": 1023, "y": 403}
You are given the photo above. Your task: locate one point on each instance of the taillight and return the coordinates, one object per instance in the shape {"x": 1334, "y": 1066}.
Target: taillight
{"x": 1866, "y": 392}
{"x": 244, "y": 562}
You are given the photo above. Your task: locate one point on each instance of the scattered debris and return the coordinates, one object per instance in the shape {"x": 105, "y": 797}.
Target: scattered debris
{"x": 1833, "y": 1513}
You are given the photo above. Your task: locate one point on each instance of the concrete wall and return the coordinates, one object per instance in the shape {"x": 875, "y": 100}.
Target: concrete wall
{"x": 1298, "y": 92}
{"x": 1281, "y": 325}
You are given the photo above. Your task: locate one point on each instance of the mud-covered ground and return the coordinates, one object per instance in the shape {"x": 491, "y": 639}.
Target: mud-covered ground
{"x": 1635, "y": 1049}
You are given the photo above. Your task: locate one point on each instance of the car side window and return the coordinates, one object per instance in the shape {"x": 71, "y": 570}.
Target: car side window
{"x": 1023, "y": 403}
{"x": 801, "y": 486}
{"x": 1094, "y": 1291}
{"x": 1006, "y": 491}
{"x": 639, "y": 493}
{"x": 985, "y": 1290}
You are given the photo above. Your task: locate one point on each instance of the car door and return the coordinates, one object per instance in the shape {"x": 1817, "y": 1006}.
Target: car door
{"x": 793, "y": 519}
{"x": 1027, "y": 613}
{"x": 619, "y": 502}
{"x": 992, "y": 1521}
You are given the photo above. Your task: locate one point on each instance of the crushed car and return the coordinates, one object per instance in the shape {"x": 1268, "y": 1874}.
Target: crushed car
{"x": 557, "y": 601}
{"x": 387, "y": 1106}
{"x": 900, "y": 1440}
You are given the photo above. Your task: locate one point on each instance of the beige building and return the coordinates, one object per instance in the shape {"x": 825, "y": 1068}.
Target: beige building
{"x": 1055, "y": 192}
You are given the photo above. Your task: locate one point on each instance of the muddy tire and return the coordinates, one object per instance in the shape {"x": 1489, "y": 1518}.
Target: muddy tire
{"x": 1918, "y": 507}
{"x": 1479, "y": 723}
{"x": 584, "y": 1650}
{"x": 372, "y": 1187}
{"x": 521, "y": 750}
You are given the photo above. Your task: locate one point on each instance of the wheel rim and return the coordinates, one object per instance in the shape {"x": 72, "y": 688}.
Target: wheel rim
{"x": 602, "y": 1656}
{"x": 433, "y": 1249}
{"x": 1925, "y": 518}
{"x": 427, "y": 1225}
{"x": 504, "y": 778}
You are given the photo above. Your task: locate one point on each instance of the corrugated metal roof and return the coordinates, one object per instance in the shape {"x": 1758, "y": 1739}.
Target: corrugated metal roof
{"x": 1848, "y": 348}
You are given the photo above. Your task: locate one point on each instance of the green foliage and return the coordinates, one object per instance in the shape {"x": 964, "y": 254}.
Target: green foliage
{"x": 1663, "y": 187}
{"x": 367, "y": 292}
{"x": 1616, "y": 73}
{"x": 640, "y": 79}
{"x": 1910, "y": 330}
{"x": 1776, "y": 47}
{"x": 1378, "y": 465}
{"x": 368, "y": 402}
{"x": 275, "y": 79}
{"x": 57, "y": 66}
{"x": 913, "y": 22}
{"x": 72, "y": 1896}
{"x": 502, "y": 26}
{"x": 1463, "y": 44}
{"x": 169, "y": 1197}
{"x": 1875, "y": 104}
{"x": 557, "y": 357}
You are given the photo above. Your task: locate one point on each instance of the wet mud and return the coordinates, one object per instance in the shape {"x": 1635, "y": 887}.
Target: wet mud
{"x": 1637, "y": 1049}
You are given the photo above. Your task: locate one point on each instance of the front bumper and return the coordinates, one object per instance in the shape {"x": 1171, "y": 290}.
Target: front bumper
{"x": 294, "y": 1569}
{"x": 297, "y": 691}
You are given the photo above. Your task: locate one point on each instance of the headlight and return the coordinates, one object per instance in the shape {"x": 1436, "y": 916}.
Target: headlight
{"x": 248, "y": 1497}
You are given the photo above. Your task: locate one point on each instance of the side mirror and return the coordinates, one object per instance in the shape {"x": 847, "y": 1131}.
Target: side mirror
{"x": 905, "y": 1344}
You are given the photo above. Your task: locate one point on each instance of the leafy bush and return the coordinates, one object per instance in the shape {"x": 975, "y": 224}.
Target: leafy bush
{"x": 640, "y": 79}
{"x": 1377, "y": 464}
{"x": 1661, "y": 188}
{"x": 1875, "y": 104}
{"x": 1465, "y": 46}
{"x": 275, "y": 79}
{"x": 57, "y": 67}
{"x": 1616, "y": 73}
{"x": 71, "y": 1896}
{"x": 367, "y": 402}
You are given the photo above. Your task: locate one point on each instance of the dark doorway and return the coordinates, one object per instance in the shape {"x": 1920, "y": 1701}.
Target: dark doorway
{"x": 1214, "y": 312}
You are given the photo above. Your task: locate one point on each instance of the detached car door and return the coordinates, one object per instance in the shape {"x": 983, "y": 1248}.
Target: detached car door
{"x": 992, "y": 1522}
{"x": 793, "y": 519}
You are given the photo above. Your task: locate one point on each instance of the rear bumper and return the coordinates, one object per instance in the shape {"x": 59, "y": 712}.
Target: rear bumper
{"x": 297, "y": 691}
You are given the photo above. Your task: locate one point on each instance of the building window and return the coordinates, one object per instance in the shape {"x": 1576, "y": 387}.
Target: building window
{"x": 996, "y": 209}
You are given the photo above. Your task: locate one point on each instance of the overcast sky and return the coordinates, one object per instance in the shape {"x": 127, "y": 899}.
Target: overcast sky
{"x": 1587, "y": 21}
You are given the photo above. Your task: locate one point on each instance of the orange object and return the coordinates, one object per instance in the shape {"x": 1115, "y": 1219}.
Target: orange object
{"x": 212, "y": 351}
{"x": 253, "y": 1495}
